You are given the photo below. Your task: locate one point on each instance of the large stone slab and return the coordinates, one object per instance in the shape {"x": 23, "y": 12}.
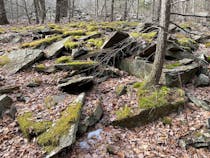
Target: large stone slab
{"x": 114, "y": 39}
{"x": 77, "y": 85}
{"x": 136, "y": 67}
{"x": 180, "y": 74}
{"x": 63, "y": 133}
{"x": 22, "y": 58}
{"x": 152, "y": 106}
{"x": 56, "y": 48}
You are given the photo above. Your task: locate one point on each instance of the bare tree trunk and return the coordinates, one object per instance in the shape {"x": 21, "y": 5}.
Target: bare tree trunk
{"x": 26, "y": 11}
{"x": 42, "y": 9}
{"x": 3, "y": 16}
{"x": 112, "y": 10}
{"x": 17, "y": 11}
{"x": 96, "y": 8}
{"x": 36, "y": 11}
{"x": 138, "y": 5}
{"x": 64, "y": 8}
{"x": 58, "y": 11}
{"x": 105, "y": 8}
{"x": 125, "y": 10}
{"x": 155, "y": 75}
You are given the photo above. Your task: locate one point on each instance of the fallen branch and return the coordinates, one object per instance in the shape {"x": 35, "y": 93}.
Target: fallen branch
{"x": 190, "y": 15}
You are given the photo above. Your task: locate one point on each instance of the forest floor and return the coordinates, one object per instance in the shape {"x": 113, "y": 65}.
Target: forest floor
{"x": 152, "y": 140}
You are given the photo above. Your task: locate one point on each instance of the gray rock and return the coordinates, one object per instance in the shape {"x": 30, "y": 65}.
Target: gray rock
{"x": 79, "y": 52}
{"x": 114, "y": 39}
{"x": 67, "y": 139}
{"x": 91, "y": 119}
{"x": 136, "y": 67}
{"x": 22, "y": 58}
{"x": 180, "y": 75}
{"x": 77, "y": 85}
{"x": 8, "y": 89}
{"x": 208, "y": 123}
{"x": 202, "y": 80}
{"x": 179, "y": 55}
{"x": 199, "y": 102}
{"x": 56, "y": 48}
{"x": 96, "y": 35}
{"x": 5, "y": 104}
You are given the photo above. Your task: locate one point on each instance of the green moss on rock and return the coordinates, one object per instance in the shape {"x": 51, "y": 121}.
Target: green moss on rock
{"x": 121, "y": 89}
{"x": 4, "y": 60}
{"x": 63, "y": 59}
{"x": 135, "y": 34}
{"x": 71, "y": 45}
{"x": 167, "y": 121}
{"x": 207, "y": 45}
{"x": 31, "y": 128}
{"x": 173, "y": 65}
{"x": 123, "y": 112}
{"x": 186, "y": 42}
{"x": 75, "y": 33}
{"x": 95, "y": 42}
{"x": 149, "y": 36}
{"x": 50, "y": 139}
{"x": 38, "y": 43}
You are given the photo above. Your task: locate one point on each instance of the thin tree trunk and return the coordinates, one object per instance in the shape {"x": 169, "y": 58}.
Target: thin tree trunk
{"x": 156, "y": 72}
{"x": 112, "y": 10}
{"x": 42, "y": 10}
{"x": 125, "y": 10}
{"x": 17, "y": 11}
{"x": 3, "y": 16}
{"x": 138, "y": 5}
{"x": 58, "y": 8}
{"x": 36, "y": 11}
{"x": 26, "y": 11}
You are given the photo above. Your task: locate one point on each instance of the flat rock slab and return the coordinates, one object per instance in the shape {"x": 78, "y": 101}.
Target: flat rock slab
{"x": 141, "y": 116}
{"x": 77, "y": 85}
{"x": 8, "y": 89}
{"x": 22, "y": 58}
{"x": 136, "y": 67}
{"x": 180, "y": 75}
{"x": 93, "y": 117}
{"x": 114, "y": 39}
{"x": 5, "y": 104}
{"x": 65, "y": 138}
{"x": 56, "y": 48}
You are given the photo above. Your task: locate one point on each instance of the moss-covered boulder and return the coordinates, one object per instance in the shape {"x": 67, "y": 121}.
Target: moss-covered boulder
{"x": 30, "y": 127}
{"x": 153, "y": 104}
{"x": 63, "y": 133}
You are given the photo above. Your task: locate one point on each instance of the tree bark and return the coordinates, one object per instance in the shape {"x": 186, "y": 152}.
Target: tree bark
{"x": 3, "y": 16}
{"x": 112, "y": 10}
{"x": 156, "y": 72}
{"x": 36, "y": 9}
{"x": 58, "y": 11}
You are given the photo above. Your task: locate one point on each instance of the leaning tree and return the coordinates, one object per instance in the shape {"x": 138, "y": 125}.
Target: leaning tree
{"x": 154, "y": 77}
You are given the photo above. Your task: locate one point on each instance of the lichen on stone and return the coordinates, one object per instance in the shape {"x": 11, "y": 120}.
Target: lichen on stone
{"x": 30, "y": 127}
{"x": 97, "y": 43}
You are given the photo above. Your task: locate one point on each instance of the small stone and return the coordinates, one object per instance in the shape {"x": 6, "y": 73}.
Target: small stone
{"x": 208, "y": 123}
{"x": 78, "y": 52}
{"x": 5, "y": 104}
{"x": 202, "y": 80}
